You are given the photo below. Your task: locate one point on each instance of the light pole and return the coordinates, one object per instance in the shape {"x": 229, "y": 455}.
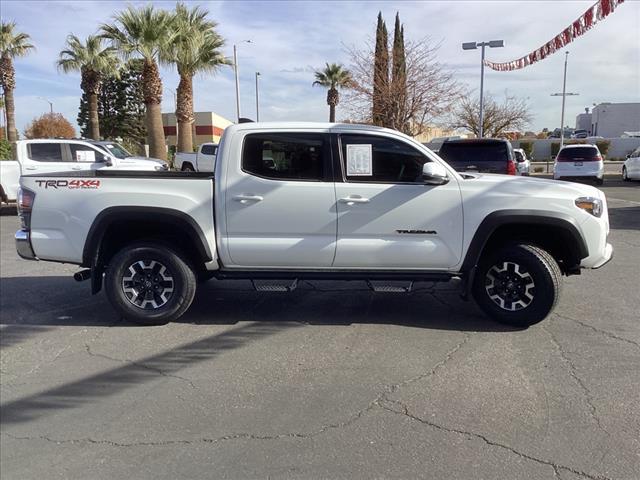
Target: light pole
{"x": 564, "y": 95}
{"x": 257, "y": 101}
{"x": 473, "y": 46}
{"x": 235, "y": 68}
{"x": 49, "y": 102}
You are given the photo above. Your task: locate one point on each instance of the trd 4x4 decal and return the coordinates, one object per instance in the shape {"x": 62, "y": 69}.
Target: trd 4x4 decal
{"x": 70, "y": 184}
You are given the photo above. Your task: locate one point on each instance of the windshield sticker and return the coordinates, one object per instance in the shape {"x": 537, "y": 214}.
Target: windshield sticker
{"x": 359, "y": 160}
{"x": 85, "y": 156}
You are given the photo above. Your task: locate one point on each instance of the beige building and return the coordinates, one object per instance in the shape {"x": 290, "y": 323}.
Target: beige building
{"x": 208, "y": 127}
{"x": 432, "y": 132}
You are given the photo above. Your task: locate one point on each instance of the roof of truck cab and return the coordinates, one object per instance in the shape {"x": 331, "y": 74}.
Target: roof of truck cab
{"x": 305, "y": 126}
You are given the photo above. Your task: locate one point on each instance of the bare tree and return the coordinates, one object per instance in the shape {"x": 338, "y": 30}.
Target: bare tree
{"x": 512, "y": 114}
{"x": 428, "y": 92}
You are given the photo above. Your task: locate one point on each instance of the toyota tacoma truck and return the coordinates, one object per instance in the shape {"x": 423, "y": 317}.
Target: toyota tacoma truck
{"x": 292, "y": 201}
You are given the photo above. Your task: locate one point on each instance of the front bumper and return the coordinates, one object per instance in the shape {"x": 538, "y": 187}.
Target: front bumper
{"x": 23, "y": 245}
{"x": 606, "y": 258}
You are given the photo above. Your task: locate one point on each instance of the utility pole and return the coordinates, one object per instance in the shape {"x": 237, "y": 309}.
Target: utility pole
{"x": 473, "y": 46}
{"x": 257, "y": 101}
{"x": 49, "y": 102}
{"x": 564, "y": 95}
{"x": 235, "y": 68}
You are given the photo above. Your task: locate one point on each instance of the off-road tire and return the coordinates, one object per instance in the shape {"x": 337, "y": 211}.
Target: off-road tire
{"x": 535, "y": 267}
{"x": 625, "y": 175}
{"x": 135, "y": 262}
{"x": 187, "y": 167}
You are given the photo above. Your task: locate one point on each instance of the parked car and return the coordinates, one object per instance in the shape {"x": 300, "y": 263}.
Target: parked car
{"x": 118, "y": 151}
{"x": 523, "y": 165}
{"x": 580, "y": 134}
{"x": 204, "y": 160}
{"x": 488, "y": 155}
{"x": 344, "y": 202}
{"x": 631, "y": 167}
{"x": 579, "y": 162}
{"x": 51, "y": 155}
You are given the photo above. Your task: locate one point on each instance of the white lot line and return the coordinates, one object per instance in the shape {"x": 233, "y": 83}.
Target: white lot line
{"x": 623, "y": 200}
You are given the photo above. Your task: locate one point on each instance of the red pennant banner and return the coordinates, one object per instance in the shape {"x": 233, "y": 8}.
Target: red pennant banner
{"x": 595, "y": 13}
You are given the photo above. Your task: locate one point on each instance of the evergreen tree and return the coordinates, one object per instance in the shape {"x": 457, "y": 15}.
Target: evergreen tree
{"x": 380, "y": 72}
{"x": 120, "y": 107}
{"x": 398, "y": 90}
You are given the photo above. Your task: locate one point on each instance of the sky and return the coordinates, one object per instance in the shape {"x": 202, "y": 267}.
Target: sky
{"x": 292, "y": 38}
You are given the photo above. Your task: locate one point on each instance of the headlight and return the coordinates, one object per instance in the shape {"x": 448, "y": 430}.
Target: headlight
{"x": 162, "y": 167}
{"x": 591, "y": 205}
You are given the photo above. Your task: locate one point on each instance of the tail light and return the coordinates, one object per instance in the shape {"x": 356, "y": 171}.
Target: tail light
{"x": 511, "y": 167}
{"x": 25, "y": 204}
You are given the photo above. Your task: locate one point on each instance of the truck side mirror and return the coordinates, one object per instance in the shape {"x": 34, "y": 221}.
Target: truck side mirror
{"x": 434, "y": 174}
{"x": 106, "y": 159}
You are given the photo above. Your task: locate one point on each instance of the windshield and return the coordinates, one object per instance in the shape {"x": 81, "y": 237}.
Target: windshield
{"x": 116, "y": 150}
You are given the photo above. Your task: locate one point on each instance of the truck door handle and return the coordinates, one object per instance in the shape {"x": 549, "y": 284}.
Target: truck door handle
{"x": 353, "y": 200}
{"x": 248, "y": 198}
{"x": 76, "y": 168}
{"x": 29, "y": 168}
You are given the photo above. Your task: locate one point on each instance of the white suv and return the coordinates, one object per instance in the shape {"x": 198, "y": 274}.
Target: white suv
{"x": 579, "y": 162}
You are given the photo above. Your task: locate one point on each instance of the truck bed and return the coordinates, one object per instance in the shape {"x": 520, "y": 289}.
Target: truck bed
{"x": 125, "y": 174}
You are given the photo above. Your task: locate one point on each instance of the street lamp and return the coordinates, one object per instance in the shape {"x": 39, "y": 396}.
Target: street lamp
{"x": 257, "y": 102}
{"x": 49, "y": 102}
{"x": 473, "y": 46}
{"x": 564, "y": 95}
{"x": 235, "y": 68}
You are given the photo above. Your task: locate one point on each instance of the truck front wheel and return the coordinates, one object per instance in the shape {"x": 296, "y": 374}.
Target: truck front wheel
{"x": 517, "y": 284}
{"x": 149, "y": 283}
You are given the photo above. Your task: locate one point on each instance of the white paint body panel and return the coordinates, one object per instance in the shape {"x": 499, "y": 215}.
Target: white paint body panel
{"x": 61, "y": 218}
{"x": 10, "y": 178}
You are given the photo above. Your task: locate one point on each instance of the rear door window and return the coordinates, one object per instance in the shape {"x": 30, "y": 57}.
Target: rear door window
{"x": 579, "y": 154}
{"x": 45, "y": 152}
{"x": 287, "y": 156}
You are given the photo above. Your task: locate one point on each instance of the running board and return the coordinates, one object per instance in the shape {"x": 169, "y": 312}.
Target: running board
{"x": 275, "y": 285}
{"x": 390, "y": 287}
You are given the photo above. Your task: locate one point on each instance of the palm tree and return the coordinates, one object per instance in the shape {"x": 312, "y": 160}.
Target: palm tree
{"x": 333, "y": 76}
{"x": 195, "y": 49}
{"x": 92, "y": 61}
{"x": 145, "y": 32}
{"x": 13, "y": 44}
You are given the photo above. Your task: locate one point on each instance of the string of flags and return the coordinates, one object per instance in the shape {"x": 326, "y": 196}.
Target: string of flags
{"x": 598, "y": 11}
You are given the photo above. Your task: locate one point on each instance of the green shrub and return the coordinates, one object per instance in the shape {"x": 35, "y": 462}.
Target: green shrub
{"x": 5, "y": 150}
{"x": 527, "y": 147}
{"x": 603, "y": 146}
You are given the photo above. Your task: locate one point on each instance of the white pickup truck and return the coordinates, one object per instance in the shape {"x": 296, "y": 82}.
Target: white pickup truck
{"x": 204, "y": 160}
{"x": 316, "y": 201}
{"x": 52, "y": 155}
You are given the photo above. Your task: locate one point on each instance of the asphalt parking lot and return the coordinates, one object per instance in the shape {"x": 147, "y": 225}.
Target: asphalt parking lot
{"x": 322, "y": 382}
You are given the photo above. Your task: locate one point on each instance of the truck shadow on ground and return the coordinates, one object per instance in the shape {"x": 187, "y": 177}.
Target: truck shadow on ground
{"x": 262, "y": 315}
{"x": 63, "y": 302}
{"x": 624, "y": 218}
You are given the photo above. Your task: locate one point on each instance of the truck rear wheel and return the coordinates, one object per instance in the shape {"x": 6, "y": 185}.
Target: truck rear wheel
{"x": 149, "y": 283}
{"x": 517, "y": 284}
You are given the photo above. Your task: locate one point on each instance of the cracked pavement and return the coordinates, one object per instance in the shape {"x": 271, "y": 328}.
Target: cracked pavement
{"x": 322, "y": 382}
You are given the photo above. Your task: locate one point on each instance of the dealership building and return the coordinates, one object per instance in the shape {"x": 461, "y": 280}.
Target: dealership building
{"x": 610, "y": 120}
{"x": 208, "y": 127}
